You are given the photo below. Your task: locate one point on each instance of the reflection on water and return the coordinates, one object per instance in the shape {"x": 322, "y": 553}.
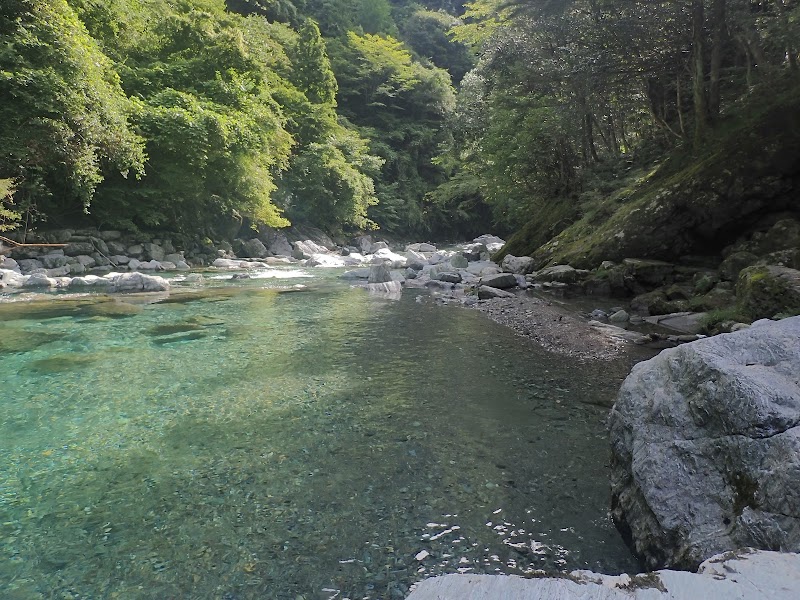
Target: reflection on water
{"x": 247, "y": 443}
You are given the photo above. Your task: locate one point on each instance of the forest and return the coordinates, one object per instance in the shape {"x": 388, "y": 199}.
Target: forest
{"x": 435, "y": 119}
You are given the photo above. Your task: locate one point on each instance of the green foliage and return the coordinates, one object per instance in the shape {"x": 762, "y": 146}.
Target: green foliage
{"x": 64, "y": 114}
{"x": 426, "y": 33}
{"x": 402, "y": 106}
{"x": 9, "y": 218}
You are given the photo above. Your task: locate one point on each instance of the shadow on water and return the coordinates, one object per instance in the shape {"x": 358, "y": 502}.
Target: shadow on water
{"x": 322, "y": 447}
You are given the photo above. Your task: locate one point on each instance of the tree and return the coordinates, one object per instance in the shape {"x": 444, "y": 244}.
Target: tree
{"x": 65, "y": 118}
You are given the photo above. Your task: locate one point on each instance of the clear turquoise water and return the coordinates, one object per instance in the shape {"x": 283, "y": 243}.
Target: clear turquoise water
{"x": 242, "y": 441}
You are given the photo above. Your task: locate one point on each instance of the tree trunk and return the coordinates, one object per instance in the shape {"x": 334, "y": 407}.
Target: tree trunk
{"x": 590, "y": 137}
{"x": 718, "y": 40}
{"x": 679, "y": 104}
{"x": 698, "y": 73}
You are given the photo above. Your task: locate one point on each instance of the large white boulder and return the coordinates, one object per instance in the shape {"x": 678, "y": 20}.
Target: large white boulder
{"x": 11, "y": 278}
{"x": 392, "y": 260}
{"x": 136, "y": 282}
{"x": 706, "y": 447}
{"x": 741, "y": 576}
{"x": 517, "y": 264}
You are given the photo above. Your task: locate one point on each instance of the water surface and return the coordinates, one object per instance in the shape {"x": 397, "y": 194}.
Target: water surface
{"x": 248, "y": 440}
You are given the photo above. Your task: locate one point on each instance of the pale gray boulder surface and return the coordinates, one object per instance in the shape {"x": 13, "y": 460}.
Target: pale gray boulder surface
{"x": 739, "y": 576}
{"x": 706, "y": 447}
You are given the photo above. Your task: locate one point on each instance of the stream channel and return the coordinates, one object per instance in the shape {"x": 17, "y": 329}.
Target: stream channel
{"x": 252, "y": 439}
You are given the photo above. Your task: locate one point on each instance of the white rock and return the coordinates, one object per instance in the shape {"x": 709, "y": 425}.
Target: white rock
{"x": 39, "y": 280}
{"x": 706, "y": 447}
{"x": 517, "y": 264}
{"x": 151, "y": 265}
{"x": 168, "y": 266}
{"x": 422, "y": 555}
{"x": 12, "y": 278}
{"x": 356, "y": 274}
{"x": 742, "y": 576}
{"x": 8, "y": 263}
{"x": 396, "y": 261}
{"x": 226, "y": 263}
{"x": 136, "y": 282}
{"x": 326, "y": 260}
{"x": 133, "y": 264}
{"x": 182, "y": 266}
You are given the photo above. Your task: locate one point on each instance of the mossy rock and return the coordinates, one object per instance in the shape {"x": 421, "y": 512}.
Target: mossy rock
{"x": 764, "y": 291}
{"x": 656, "y": 303}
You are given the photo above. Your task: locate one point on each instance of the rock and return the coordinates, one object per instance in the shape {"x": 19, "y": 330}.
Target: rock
{"x": 307, "y": 248}
{"x": 151, "y": 265}
{"x": 650, "y": 273}
{"x": 9, "y": 278}
{"x": 109, "y": 236}
{"x": 76, "y": 268}
{"x": 39, "y": 280}
{"x": 153, "y": 252}
{"x": 559, "y": 273}
{"x": 475, "y": 252}
{"x": 54, "y": 260}
{"x": 734, "y": 263}
{"x": 656, "y": 303}
{"x": 765, "y": 291}
{"x": 86, "y": 261}
{"x": 94, "y": 281}
{"x": 483, "y": 268}
{"x": 326, "y": 260}
{"x": 78, "y": 248}
{"x": 395, "y": 261}
{"x": 118, "y": 259}
{"x": 226, "y": 263}
{"x": 490, "y": 240}
{"x": 356, "y": 274}
{"x": 133, "y": 264}
{"x": 181, "y": 265}
{"x": 742, "y": 575}
{"x": 136, "y": 282}
{"x": 378, "y": 246}
{"x": 423, "y": 247}
{"x": 706, "y": 447}
{"x": 717, "y": 298}
{"x": 364, "y": 243}
{"x": 458, "y": 261}
{"x": 619, "y": 317}
{"x": 6, "y": 262}
{"x": 253, "y": 248}
{"x": 500, "y": 281}
{"x": 379, "y": 274}
{"x": 448, "y": 277}
{"x": 388, "y": 287}
{"x": 517, "y": 264}
{"x": 27, "y": 265}
{"x": 280, "y": 246}
{"x": 168, "y": 266}
{"x": 136, "y": 251}
{"x": 685, "y": 322}
{"x": 116, "y": 248}
{"x": 486, "y": 292}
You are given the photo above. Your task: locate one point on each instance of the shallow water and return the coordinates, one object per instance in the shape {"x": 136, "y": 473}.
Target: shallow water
{"x": 241, "y": 441}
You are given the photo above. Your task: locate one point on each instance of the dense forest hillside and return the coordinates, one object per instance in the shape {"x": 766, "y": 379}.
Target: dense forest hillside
{"x": 435, "y": 118}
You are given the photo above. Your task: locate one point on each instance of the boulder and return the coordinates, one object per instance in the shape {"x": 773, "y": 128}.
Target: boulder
{"x": 734, "y": 263}
{"x": 78, "y": 248}
{"x": 500, "y": 281}
{"x": 559, "y": 273}
{"x": 364, "y": 243}
{"x": 9, "y": 278}
{"x": 117, "y": 248}
{"x": 395, "y": 261}
{"x": 650, "y": 273}
{"x": 307, "y": 248}
{"x": 54, "y": 260}
{"x": 768, "y": 290}
{"x": 378, "y": 246}
{"x": 743, "y": 575}
{"x": 706, "y": 447}
{"x": 392, "y": 288}
{"x": 253, "y": 248}
{"x": 457, "y": 261}
{"x": 76, "y": 268}
{"x": 27, "y": 265}
{"x": 326, "y": 260}
{"x": 486, "y": 292}
{"x": 475, "y": 252}
{"x": 517, "y": 264}
{"x": 151, "y": 265}
{"x": 136, "y": 282}
{"x": 492, "y": 242}
{"x": 448, "y": 277}
{"x": 6, "y": 262}
{"x": 280, "y": 246}
{"x": 619, "y": 317}
{"x": 423, "y": 247}
{"x": 379, "y": 274}
{"x": 36, "y": 280}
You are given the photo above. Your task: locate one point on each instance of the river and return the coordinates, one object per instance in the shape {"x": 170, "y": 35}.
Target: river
{"x": 290, "y": 437}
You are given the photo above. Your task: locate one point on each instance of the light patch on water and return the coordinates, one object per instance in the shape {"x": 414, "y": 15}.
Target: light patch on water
{"x": 267, "y": 274}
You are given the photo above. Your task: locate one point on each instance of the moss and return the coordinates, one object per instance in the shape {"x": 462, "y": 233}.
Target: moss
{"x": 673, "y": 208}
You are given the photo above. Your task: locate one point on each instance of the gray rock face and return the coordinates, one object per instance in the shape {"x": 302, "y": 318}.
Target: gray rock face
{"x": 559, "y": 273}
{"x": 486, "y": 292}
{"x": 741, "y": 576}
{"x": 500, "y": 281}
{"x": 137, "y": 282}
{"x": 706, "y": 447}
{"x": 458, "y": 261}
{"x": 517, "y": 264}
{"x": 253, "y": 248}
{"x": 280, "y": 246}
{"x": 379, "y": 274}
